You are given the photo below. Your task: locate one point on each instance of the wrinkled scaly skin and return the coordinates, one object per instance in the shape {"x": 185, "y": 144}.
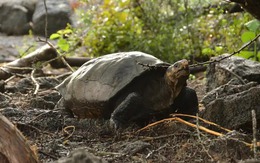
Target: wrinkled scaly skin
{"x": 149, "y": 92}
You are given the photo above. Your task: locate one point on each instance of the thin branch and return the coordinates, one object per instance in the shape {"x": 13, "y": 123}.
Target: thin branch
{"x": 234, "y": 74}
{"x": 204, "y": 120}
{"x": 46, "y": 21}
{"x": 39, "y": 116}
{"x": 161, "y": 136}
{"x": 37, "y": 86}
{"x": 156, "y": 150}
{"x": 9, "y": 79}
{"x": 60, "y": 55}
{"x": 197, "y": 126}
{"x": 65, "y": 130}
{"x": 235, "y": 52}
{"x": 254, "y": 125}
{"x": 182, "y": 121}
{"x": 17, "y": 68}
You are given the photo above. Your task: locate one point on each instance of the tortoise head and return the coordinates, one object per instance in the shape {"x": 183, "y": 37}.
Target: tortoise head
{"x": 176, "y": 75}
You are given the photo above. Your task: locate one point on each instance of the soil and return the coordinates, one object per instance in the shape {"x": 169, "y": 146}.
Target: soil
{"x": 56, "y": 135}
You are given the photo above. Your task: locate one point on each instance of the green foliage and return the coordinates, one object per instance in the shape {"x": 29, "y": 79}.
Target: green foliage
{"x": 112, "y": 27}
{"x": 168, "y": 29}
{"x": 253, "y": 25}
{"x": 66, "y": 39}
{"x": 252, "y": 29}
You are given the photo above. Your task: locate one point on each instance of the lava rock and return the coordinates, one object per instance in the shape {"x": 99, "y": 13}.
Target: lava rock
{"x": 4, "y": 100}
{"x": 15, "y": 16}
{"x": 59, "y": 15}
{"x": 230, "y": 105}
{"x": 81, "y": 156}
{"x": 220, "y": 73}
{"x": 131, "y": 148}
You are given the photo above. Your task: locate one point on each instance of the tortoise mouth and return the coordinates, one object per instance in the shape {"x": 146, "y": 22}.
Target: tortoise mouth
{"x": 183, "y": 73}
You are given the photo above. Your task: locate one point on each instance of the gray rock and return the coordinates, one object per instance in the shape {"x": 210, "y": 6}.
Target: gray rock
{"x": 222, "y": 72}
{"x": 15, "y": 16}
{"x": 230, "y": 105}
{"x": 231, "y": 88}
{"x": 59, "y": 13}
{"x": 81, "y": 156}
{"x": 4, "y": 100}
{"x": 131, "y": 148}
{"x": 250, "y": 161}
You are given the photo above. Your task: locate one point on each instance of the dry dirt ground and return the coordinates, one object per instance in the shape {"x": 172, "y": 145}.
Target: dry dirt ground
{"x": 56, "y": 135}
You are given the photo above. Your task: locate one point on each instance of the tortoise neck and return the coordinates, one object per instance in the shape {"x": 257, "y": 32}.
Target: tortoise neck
{"x": 175, "y": 85}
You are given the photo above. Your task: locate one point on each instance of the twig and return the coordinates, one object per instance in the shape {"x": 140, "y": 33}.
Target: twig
{"x": 37, "y": 85}
{"x": 153, "y": 151}
{"x": 69, "y": 134}
{"x": 184, "y": 122}
{"x": 201, "y": 142}
{"x": 235, "y": 52}
{"x": 9, "y": 79}
{"x": 197, "y": 126}
{"x": 46, "y": 38}
{"x": 254, "y": 125}
{"x": 31, "y": 127}
{"x": 26, "y": 50}
{"x": 46, "y": 21}
{"x": 234, "y": 74}
{"x": 204, "y": 120}
{"x": 18, "y": 68}
{"x": 40, "y": 116}
{"x": 161, "y": 136}
{"x": 60, "y": 55}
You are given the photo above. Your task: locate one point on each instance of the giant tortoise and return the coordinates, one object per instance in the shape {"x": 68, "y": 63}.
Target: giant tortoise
{"x": 128, "y": 87}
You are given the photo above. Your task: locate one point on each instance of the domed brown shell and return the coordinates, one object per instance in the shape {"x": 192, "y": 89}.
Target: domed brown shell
{"x": 99, "y": 79}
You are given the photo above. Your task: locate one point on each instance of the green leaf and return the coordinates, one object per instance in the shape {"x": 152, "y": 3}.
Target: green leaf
{"x": 247, "y": 36}
{"x": 218, "y": 48}
{"x": 55, "y": 36}
{"x": 207, "y": 51}
{"x": 253, "y": 25}
{"x": 63, "y": 45}
{"x": 246, "y": 54}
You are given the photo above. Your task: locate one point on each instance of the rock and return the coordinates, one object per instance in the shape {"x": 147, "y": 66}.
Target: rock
{"x": 220, "y": 73}
{"x": 230, "y": 105}
{"x": 228, "y": 89}
{"x": 249, "y": 161}
{"x": 4, "y": 100}
{"x": 15, "y": 16}
{"x": 81, "y": 156}
{"x": 131, "y": 148}
{"x": 59, "y": 13}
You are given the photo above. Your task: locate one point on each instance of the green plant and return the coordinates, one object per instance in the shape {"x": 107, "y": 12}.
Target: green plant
{"x": 67, "y": 40}
{"x": 252, "y": 30}
{"x": 167, "y": 29}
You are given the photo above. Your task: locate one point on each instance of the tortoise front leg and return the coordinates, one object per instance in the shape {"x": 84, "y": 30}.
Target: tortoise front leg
{"x": 186, "y": 102}
{"x": 131, "y": 109}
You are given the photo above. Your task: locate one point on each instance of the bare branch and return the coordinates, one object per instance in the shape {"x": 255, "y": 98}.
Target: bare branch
{"x": 59, "y": 54}
{"x": 37, "y": 86}
{"x": 254, "y": 124}
{"x": 46, "y": 21}
{"x": 236, "y": 52}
